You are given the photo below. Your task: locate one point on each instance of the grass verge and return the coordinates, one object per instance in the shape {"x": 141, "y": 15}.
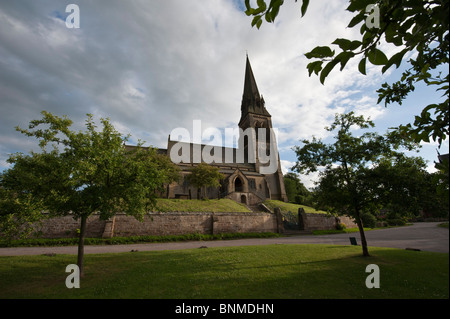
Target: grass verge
{"x": 272, "y": 271}
{"x": 223, "y": 205}
{"x": 34, "y": 242}
{"x": 290, "y": 207}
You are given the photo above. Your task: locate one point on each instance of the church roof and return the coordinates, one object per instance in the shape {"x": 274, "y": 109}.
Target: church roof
{"x": 252, "y": 101}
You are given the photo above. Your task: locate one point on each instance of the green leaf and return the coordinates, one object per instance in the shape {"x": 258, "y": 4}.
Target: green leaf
{"x": 356, "y": 19}
{"x": 377, "y": 57}
{"x": 258, "y": 23}
{"x": 362, "y": 66}
{"x": 343, "y": 58}
{"x": 354, "y": 45}
{"x": 304, "y": 7}
{"x": 274, "y": 12}
{"x": 247, "y": 5}
{"x": 255, "y": 20}
{"x": 358, "y": 5}
{"x": 346, "y": 44}
{"x": 395, "y": 59}
{"x": 249, "y": 10}
{"x": 315, "y": 67}
{"x": 327, "y": 69}
{"x": 261, "y": 3}
{"x": 320, "y": 52}
{"x": 261, "y": 7}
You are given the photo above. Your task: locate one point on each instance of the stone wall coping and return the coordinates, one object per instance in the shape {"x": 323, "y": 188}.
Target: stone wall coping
{"x": 180, "y": 213}
{"x": 206, "y": 213}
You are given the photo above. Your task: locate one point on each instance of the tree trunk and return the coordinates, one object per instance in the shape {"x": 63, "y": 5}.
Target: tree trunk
{"x": 81, "y": 244}
{"x": 363, "y": 236}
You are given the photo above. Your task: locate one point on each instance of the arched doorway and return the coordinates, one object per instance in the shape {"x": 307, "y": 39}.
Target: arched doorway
{"x": 238, "y": 185}
{"x": 244, "y": 199}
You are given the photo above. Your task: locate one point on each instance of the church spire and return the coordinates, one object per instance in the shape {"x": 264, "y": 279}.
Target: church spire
{"x": 252, "y": 101}
{"x": 250, "y": 87}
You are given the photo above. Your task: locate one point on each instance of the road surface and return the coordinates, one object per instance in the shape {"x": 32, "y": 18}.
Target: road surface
{"x": 423, "y": 236}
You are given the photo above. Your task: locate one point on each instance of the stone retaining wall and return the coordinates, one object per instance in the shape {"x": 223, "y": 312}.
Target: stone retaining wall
{"x": 311, "y": 221}
{"x": 157, "y": 224}
{"x": 179, "y": 223}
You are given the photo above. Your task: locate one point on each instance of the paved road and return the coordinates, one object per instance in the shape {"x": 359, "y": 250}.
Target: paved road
{"x": 423, "y": 236}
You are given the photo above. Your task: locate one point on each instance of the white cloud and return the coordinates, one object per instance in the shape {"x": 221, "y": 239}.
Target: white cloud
{"x": 152, "y": 66}
{"x": 286, "y": 166}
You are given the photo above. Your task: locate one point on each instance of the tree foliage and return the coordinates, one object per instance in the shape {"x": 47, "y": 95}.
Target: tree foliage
{"x": 342, "y": 187}
{"x": 296, "y": 191}
{"x": 81, "y": 173}
{"x": 204, "y": 175}
{"x": 411, "y": 26}
{"x": 401, "y": 186}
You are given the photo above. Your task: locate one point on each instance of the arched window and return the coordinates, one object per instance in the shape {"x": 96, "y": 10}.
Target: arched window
{"x": 238, "y": 185}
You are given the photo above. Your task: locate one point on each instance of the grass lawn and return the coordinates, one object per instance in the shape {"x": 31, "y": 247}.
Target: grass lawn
{"x": 286, "y": 207}
{"x": 272, "y": 271}
{"x": 223, "y": 205}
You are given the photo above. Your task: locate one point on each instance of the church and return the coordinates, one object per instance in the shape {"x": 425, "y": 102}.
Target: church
{"x": 252, "y": 170}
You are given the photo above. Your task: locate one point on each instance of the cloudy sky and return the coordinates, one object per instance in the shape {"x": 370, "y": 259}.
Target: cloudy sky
{"x": 153, "y": 66}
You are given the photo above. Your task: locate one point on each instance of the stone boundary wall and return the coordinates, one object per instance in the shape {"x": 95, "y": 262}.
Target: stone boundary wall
{"x": 157, "y": 224}
{"x": 67, "y": 227}
{"x": 311, "y": 221}
{"x": 188, "y": 223}
{"x": 181, "y": 223}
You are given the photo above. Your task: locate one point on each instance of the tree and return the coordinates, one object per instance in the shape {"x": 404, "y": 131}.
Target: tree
{"x": 403, "y": 187}
{"x": 413, "y": 26}
{"x": 295, "y": 190}
{"x": 204, "y": 175}
{"x": 342, "y": 187}
{"x": 19, "y": 212}
{"x": 83, "y": 173}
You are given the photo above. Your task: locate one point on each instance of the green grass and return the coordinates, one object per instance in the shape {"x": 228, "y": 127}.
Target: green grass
{"x": 341, "y": 231}
{"x": 223, "y": 205}
{"x": 272, "y": 271}
{"x": 286, "y": 207}
{"x": 36, "y": 242}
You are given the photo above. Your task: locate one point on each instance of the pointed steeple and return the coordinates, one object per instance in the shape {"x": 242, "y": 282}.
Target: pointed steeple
{"x": 250, "y": 87}
{"x": 252, "y": 101}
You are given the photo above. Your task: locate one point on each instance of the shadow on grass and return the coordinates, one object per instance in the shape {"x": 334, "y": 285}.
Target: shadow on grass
{"x": 273, "y": 271}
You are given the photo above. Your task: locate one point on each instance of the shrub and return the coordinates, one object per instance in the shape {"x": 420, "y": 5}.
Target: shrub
{"x": 368, "y": 220}
{"x": 395, "y": 222}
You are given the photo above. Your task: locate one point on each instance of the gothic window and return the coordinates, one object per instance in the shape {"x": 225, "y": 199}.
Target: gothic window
{"x": 238, "y": 185}
{"x": 252, "y": 183}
